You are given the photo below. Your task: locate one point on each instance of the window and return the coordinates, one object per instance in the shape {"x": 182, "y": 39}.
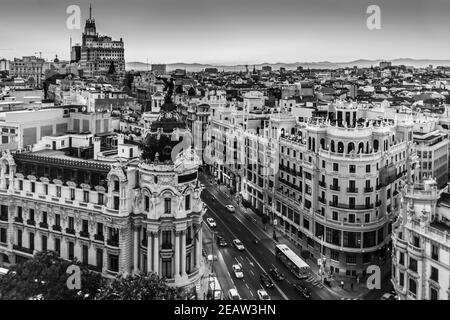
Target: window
{"x": 113, "y": 262}
{"x": 57, "y": 220}
{"x": 167, "y": 205}
{"x": 2, "y": 235}
{"x": 335, "y": 167}
{"x": 412, "y": 286}
{"x": 187, "y": 202}
{"x": 435, "y": 252}
{"x": 71, "y": 223}
{"x": 46, "y": 189}
{"x": 352, "y": 168}
{"x": 434, "y": 274}
{"x": 350, "y": 258}
{"x": 306, "y": 224}
{"x": 413, "y": 264}
{"x": 71, "y": 250}
{"x": 58, "y": 191}
{"x": 167, "y": 239}
{"x": 167, "y": 268}
{"x": 367, "y": 168}
{"x": 85, "y": 256}
{"x": 401, "y": 258}
{"x": 72, "y": 194}
{"x": 44, "y": 243}
{"x": 351, "y": 218}
{"x": 323, "y": 163}
{"x": 20, "y": 184}
{"x": 31, "y": 241}
{"x": 86, "y": 196}
{"x": 99, "y": 258}
{"x": 401, "y": 279}
{"x": 99, "y": 228}
{"x": 31, "y": 214}
{"x": 433, "y": 294}
{"x": 19, "y": 212}
{"x": 19, "y": 238}
{"x": 147, "y": 203}
{"x": 58, "y": 246}
{"x": 85, "y": 225}
{"x": 33, "y": 187}
{"x": 44, "y": 217}
{"x": 335, "y": 216}
{"x": 334, "y": 255}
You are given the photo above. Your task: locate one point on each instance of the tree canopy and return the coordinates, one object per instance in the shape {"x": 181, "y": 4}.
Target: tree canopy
{"x": 45, "y": 276}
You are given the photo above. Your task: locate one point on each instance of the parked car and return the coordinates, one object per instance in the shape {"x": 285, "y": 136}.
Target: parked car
{"x": 221, "y": 241}
{"x": 238, "y": 271}
{"x": 238, "y": 244}
{"x": 265, "y": 280}
{"x": 388, "y": 296}
{"x": 233, "y": 294}
{"x": 211, "y": 222}
{"x": 263, "y": 295}
{"x": 278, "y": 276}
{"x": 230, "y": 208}
{"x": 212, "y": 257}
{"x": 302, "y": 290}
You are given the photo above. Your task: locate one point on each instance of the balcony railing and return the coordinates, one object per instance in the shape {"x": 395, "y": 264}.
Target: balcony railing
{"x": 351, "y": 207}
{"x": 70, "y": 231}
{"x": 352, "y": 190}
{"x": 99, "y": 237}
{"x": 113, "y": 242}
{"x": 18, "y": 219}
{"x": 84, "y": 234}
{"x": 43, "y": 225}
{"x": 31, "y": 222}
{"x": 368, "y": 189}
{"x": 322, "y": 200}
{"x": 22, "y": 249}
{"x": 166, "y": 246}
{"x": 378, "y": 203}
{"x": 322, "y": 184}
{"x": 335, "y": 188}
{"x": 4, "y": 218}
{"x": 57, "y": 228}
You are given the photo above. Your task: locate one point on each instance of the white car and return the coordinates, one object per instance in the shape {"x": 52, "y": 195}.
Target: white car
{"x": 233, "y": 294}
{"x": 211, "y": 222}
{"x": 230, "y": 208}
{"x": 238, "y": 271}
{"x": 238, "y": 244}
{"x": 263, "y": 295}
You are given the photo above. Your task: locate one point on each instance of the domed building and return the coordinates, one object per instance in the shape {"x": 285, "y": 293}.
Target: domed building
{"x": 138, "y": 210}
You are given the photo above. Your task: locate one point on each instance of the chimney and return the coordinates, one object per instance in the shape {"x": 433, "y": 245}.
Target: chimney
{"x": 97, "y": 142}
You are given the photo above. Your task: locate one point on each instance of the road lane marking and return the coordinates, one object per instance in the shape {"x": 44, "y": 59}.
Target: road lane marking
{"x": 247, "y": 286}
{"x": 287, "y": 280}
{"x": 237, "y": 260}
{"x": 259, "y": 265}
{"x": 252, "y": 272}
{"x": 252, "y": 293}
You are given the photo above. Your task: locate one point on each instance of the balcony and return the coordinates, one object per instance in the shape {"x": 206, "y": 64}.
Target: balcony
{"x": 415, "y": 250}
{"x": 351, "y": 207}
{"x": 322, "y": 184}
{"x": 70, "y": 231}
{"x": 31, "y": 222}
{"x": 113, "y": 242}
{"x": 84, "y": 234}
{"x": 335, "y": 188}
{"x": 43, "y": 225}
{"x": 18, "y": 219}
{"x": 4, "y": 218}
{"x": 56, "y": 228}
{"x": 352, "y": 190}
{"x": 22, "y": 249}
{"x": 166, "y": 246}
{"x": 99, "y": 237}
{"x": 322, "y": 200}
{"x": 368, "y": 189}
{"x": 378, "y": 203}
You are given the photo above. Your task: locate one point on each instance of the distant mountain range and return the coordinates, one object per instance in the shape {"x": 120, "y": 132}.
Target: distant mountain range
{"x": 361, "y": 63}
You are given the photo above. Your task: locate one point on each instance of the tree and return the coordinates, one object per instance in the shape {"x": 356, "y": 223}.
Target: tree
{"x": 140, "y": 287}
{"x": 45, "y": 275}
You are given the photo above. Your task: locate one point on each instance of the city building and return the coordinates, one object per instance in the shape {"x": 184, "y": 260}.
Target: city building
{"x": 4, "y": 65}
{"x": 29, "y": 68}
{"x": 421, "y": 242}
{"x": 75, "y": 54}
{"x": 337, "y": 189}
{"x": 132, "y": 209}
{"x": 159, "y": 69}
{"x": 98, "y": 53}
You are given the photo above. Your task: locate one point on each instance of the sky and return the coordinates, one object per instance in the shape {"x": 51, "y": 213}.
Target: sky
{"x": 234, "y": 31}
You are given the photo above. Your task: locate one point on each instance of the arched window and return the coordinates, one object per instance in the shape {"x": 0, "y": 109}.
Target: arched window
{"x": 350, "y": 147}
{"x": 309, "y": 143}
{"x": 293, "y": 131}
{"x": 322, "y": 143}
{"x": 375, "y": 145}
{"x": 332, "y": 146}
{"x": 314, "y": 144}
{"x": 361, "y": 147}
{"x": 340, "y": 147}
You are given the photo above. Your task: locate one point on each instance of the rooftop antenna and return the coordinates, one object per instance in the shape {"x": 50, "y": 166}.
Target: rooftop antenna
{"x": 90, "y": 11}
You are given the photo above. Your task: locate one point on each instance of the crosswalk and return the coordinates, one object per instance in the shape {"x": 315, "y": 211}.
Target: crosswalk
{"x": 314, "y": 281}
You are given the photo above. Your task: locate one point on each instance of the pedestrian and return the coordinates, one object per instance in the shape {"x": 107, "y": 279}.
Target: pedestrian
{"x": 342, "y": 284}
{"x": 357, "y": 279}
{"x": 351, "y": 286}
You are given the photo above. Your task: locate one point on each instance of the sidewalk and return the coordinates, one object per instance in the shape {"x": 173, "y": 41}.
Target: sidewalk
{"x": 347, "y": 292}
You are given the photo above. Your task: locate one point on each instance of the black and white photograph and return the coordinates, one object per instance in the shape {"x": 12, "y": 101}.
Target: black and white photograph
{"x": 231, "y": 157}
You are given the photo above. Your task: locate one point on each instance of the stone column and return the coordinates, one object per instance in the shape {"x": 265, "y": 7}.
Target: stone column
{"x": 149, "y": 253}
{"x": 177, "y": 253}
{"x": 198, "y": 247}
{"x": 183, "y": 253}
{"x": 136, "y": 250}
{"x": 156, "y": 252}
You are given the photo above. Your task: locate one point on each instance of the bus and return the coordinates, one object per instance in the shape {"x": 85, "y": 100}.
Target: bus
{"x": 292, "y": 261}
{"x": 214, "y": 289}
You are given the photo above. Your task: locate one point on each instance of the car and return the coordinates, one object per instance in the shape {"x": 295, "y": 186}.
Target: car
{"x": 211, "y": 222}
{"x": 388, "y": 296}
{"x": 238, "y": 244}
{"x": 238, "y": 271}
{"x": 230, "y": 208}
{"x": 233, "y": 294}
{"x": 212, "y": 257}
{"x": 221, "y": 241}
{"x": 265, "y": 280}
{"x": 302, "y": 290}
{"x": 263, "y": 295}
{"x": 278, "y": 276}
